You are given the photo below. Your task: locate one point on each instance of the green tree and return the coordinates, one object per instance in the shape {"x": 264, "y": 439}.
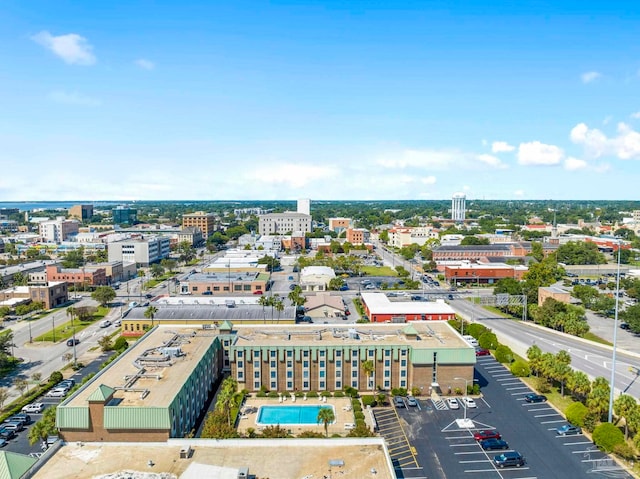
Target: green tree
{"x": 579, "y": 385}
{"x": 150, "y": 313}
{"x": 169, "y": 264}
{"x": 74, "y": 258}
{"x": 562, "y": 371}
{"x": 488, "y": 340}
{"x": 272, "y": 263}
{"x": 625, "y": 407}
{"x": 21, "y": 385}
{"x": 368, "y": 367}
{"x": 473, "y": 240}
{"x": 157, "y": 270}
{"x": 105, "y": 343}
{"x": 598, "y": 398}
{"x": 326, "y": 417}
{"x": 537, "y": 252}
{"x": 4, "y": 395}
{"x": 534, "y": 355}
{"x": 186, "y": 251}
{"x": 278, "y": 305}
{"x": 103, "y": 295}
{"x": 576, "y": 412}
{"x": 607, "y": 436}
{"x": 336, "y": 283}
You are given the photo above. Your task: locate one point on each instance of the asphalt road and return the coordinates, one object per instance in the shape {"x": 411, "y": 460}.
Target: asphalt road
{"x": 591, "y": 358}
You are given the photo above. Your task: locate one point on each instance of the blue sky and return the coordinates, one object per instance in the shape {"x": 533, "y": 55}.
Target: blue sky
{"x": 333, "y": 100}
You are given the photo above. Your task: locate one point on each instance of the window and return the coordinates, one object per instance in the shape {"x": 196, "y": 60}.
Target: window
{"x": 403, "y": 374}
{"x": 289, "y": 354}
{"x": 256, "y": 374}
{"x": 322, "y": 364}
{"x": 256, "y": 385}
{"x": 305, "y": 364}
{"x": 273, "y": 374}
{"x": 289, "y": 364}
{"x": 354, "y": 363}
{"x": 239, "y": 354}
{"x": 403, "y": 363}
{"x": 387, "y": 363}
{"x": 240, "y": 376}
{"x": 274, "y": 385}
{"x": 354, "y": 374}
{"x": 289, "y": 374}
{"x": 240, "y": 364}
{"x": 338, "y": 364}
{"x": 272, "y": 353}
{"x": 370, "y": 353}
{"x": 305, "y": 354}
{"x": 272, "y": 364}
{"x": 338, "y": 354}
{"x": 256, "y": 364}
{"x": 321, "y": 374}
{"x": 354, "y": 353}
{"x": 387, "y": 374}
{"x": 338, "y": 384}
{"x": 322, "y": 385}
{"x": 321, "y": 353}
{"x": 256, "y": 354}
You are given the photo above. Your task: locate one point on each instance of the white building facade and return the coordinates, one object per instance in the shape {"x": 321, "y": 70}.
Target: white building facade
{"x": 458, "y": 207}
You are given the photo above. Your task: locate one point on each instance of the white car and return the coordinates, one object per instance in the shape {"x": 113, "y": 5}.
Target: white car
{"x": 105, "y": 324}
{"x": 453, "y": 403}
{"x": 57, "y": 393}
{"x": 468, "y": 402}
{"x": 34, "y": 408}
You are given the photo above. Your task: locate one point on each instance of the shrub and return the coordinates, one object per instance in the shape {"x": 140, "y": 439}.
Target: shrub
{"x": 590, "y": 420}
{"x": 576, "y": 413}
{"x": 355, "y": 404}
{"x": 488, "y": 340}
{"x": 272, "y": 394}
{"x": 368, "y": 400}
{"x": 312, "y": 394}
{"x": 399, "y": 391}
{"x": 520, "y": 369}
{"x": 120, "y": 344}
{"x": 607, "y": 436}
{"x": 358, "y": 415}
{"x": 542, "y": 385}
{"x": 56, "y": 377}
{"x": 473, "y": 389}
{"x": 476, "y": 330}
{"x": 261, "y": 394}
{"x": 504, "y": 354}
{"x": 298, "y": 394}
{"x": 625, "y": 451}
{"x": 352, "y": 392}
{"x": 325, "y": 394}
{"x": 338, "y": 394}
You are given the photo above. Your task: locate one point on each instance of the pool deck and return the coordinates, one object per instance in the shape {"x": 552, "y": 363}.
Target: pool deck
{"x": 342, "y": 408}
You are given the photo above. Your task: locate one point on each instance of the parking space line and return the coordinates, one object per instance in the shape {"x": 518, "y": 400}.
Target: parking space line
{"x": 512, "y": 384}
{"x": 516, "y": 387}
{"x": 576, "y": 443}
{"x": 547, "y": 415}
{"x": 506, "y": 379}
{"x": 480, "y": 470}
{"x": 519, "y": 394}
{"x": 541, "y": 409}
{"x": 467, "y": 452}
{"x": 464, "y": 445}
{"x": 553, "y": 422}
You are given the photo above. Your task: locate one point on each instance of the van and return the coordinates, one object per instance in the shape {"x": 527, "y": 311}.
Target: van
{"x": 507, "y": 459}
{"x": 471, "y": 340}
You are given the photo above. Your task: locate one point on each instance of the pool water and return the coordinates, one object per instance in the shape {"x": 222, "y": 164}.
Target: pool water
{"x": 307, "y": 415}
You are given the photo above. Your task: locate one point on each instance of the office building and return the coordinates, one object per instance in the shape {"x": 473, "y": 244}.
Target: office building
{"x": 304, "y": 206}
{"x": 141, "y": 251}
{"x": 58, "y": 230}
{"x": 205, "y": 221}
{"x": 124, "y": 216}
{"x": 458, "y": 207}
{"x": 284, "y": 223}
{"x": 81, "y": 212}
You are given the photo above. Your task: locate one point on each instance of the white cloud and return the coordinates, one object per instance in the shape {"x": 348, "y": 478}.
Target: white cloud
{"x": 625, "y": 146}
{"x": 145, "y": 64}
{"x": 636, "y": 115}
{"x": 432, "y": 159}
{"x": 73, "y": 98}
{"x": 501, "y": 147}
{"x": 573, "y": 164}
{"x": 519, "y": 193}
{"x": 428, "y": 180}
{"x": 292, "y": 175}
{"x": 72, "y": 48}
{"x": 536, "y": 153}
{"x": 589, "y": 77}
{"x": 491, "y": 160}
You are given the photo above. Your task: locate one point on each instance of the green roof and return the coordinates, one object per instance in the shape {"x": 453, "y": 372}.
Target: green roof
{"x": 410, "y": 330}
{"x": 226, "y": 326}
{"x": 139, "y": 417}
{"x": 14, "y": 465}
{"x": 101, "y": 394}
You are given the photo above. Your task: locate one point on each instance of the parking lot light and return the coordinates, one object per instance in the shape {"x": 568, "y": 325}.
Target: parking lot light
{"x": 466, "y": 391}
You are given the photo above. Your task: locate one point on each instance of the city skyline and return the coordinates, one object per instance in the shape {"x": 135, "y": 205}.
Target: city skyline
{"x": 249, "y": 101}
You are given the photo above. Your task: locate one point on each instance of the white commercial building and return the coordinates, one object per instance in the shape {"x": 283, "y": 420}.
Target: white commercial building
{"x": 58, "y": 230}
{"x": 316, "y": 278}
{"x": 304, "y": 206}
{"x": 458, "y": 207}
{"x": 143, "y": 251}
{"x": 284, "y": 223}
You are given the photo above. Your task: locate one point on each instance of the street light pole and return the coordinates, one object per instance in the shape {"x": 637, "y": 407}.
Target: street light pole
{"x": 615, "y": 340}
{"x": 466, "y": 391}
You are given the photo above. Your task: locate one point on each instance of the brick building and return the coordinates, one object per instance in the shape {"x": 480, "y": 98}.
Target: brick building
{"x": 473, "y": 273}
{"x": 77, "y": 276}
{"x": 380, "y": 309}
{"x": 205, "y": 221}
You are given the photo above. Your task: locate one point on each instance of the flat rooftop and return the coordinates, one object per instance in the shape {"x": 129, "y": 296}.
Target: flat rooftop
{"x": 274, "y": 458}
{"x": 379, "y": 303}
{"x": 164, "y": 375}
{"x": 204, "y": 308}
{"x": 418, "y": 334}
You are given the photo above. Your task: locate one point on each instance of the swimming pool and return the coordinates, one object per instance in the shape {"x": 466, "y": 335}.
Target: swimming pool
{"x": 303, "y": 415}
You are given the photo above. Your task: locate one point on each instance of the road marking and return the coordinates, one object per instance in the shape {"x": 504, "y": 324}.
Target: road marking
{"x": 480, "y": 470}
{"x": 552, "y": 422}
{"x": 511, "y": 384}
{"x": 547, "y": 415}
{"x": 505, "y": 379}
{"x": 468, "y": 452}
{"x": 542, "y": 409}
{"x": 472, "y": 462}
{"x": 576, "y": 443}
{"x": 517, "y": 387}
{"x": 464, "y": 445}
{"x": 506, "y": 373}
{"x": 522, "y": 394}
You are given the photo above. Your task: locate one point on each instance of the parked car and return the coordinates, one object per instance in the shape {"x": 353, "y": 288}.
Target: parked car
{"x": 33, "y": 408}
{"x": 15, "y": 426}
{"x": 509, "y": 459}
{"x": 22, "y": 417}
{"x": 72, "y": 342}
{"x": 3, "y": 442}
{"x": 7, "y": 434}
{"x": 411, "y": 401}
{"x": 535, "y": 398}
{"x": 257, "y": 291}
{"x": 105, "y": 323}
{"x": 468, "y": 402}
{"x": 57, "y": 393}
{"x": 67, "y": 382}
{"x": 625, "y": 326}
{"x": 370, "y": 286}
{"x": 568, "y": 430}
{"x": 398, "y": 402}
{"x": 453, "y": 403}
{"x": 486, "y": 434}
{"x": 482, "y": 352}
{"x": 490, "y": 444}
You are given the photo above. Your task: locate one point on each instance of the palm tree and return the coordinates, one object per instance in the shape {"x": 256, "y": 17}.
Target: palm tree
{"x": 368, "y": 367}
{"x": 263, "y": 301}
{"x": 326, "y": 417}
{"x": 150, "y": 313}
{"x": 625, "y": 407}
{"x": 279, "y": 305}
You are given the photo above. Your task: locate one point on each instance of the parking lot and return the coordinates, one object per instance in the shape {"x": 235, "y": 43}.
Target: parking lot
{"x": 434, "y": 441}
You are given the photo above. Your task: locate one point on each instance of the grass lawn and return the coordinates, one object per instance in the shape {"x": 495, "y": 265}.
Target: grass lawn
{"x": 64, "y": 331}
{"x": 378, "y": 271}
{"x": 553, "y": 396}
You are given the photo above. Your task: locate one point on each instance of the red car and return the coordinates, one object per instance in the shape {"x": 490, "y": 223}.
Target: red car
{"x": 483, "y": 352}
{"x": 257, "y": 292}
{"x": 487, "y": 434}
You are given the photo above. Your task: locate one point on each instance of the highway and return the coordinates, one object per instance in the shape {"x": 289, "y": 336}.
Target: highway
{"x": 591, "y": 358}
